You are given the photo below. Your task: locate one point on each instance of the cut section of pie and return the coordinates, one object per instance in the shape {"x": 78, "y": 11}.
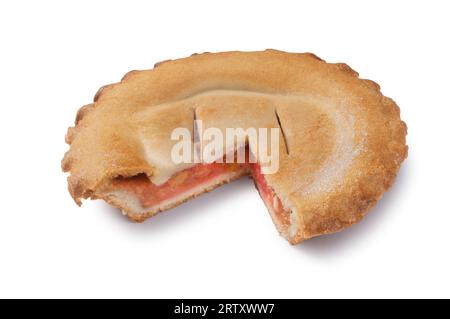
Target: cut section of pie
{"x": 341, "y": 145}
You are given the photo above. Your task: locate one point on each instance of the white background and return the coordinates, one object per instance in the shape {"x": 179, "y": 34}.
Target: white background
{"x": 54, "y": 55}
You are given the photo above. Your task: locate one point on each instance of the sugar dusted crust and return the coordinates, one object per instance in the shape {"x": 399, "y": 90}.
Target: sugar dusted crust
{"x": 346, "y": 141}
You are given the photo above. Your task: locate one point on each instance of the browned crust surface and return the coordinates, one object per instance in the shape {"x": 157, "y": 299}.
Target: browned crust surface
{"x": 103, "y": 143}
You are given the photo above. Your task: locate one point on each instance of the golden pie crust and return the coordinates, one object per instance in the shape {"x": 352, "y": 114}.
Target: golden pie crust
{"x": 345, "y": 140}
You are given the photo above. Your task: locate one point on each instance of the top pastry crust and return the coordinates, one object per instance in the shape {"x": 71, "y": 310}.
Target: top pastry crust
{"x": 344, "y": 140}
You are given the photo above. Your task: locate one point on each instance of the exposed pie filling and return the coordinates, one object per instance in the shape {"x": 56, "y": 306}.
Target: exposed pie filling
{"x": 150, "y": 195}
{"x": 269, "y": 197}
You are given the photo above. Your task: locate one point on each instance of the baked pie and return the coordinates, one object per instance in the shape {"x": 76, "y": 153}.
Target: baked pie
{"x": 341, "y": 145}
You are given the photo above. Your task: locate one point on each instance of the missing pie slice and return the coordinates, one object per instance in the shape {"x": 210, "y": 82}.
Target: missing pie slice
{"x": 342, "y": 141}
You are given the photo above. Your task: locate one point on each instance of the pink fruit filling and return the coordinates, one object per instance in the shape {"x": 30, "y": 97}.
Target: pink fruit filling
{"x": 151, "y": 195}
